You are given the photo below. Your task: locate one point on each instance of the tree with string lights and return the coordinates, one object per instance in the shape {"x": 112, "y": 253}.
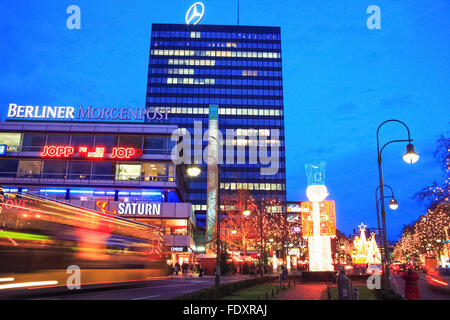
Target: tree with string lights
{"x": 342, "y": 247}
{"x": 438, "y": 192}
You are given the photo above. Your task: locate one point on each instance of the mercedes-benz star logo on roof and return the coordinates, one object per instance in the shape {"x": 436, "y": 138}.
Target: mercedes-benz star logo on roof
{"x": 195, "y": 13}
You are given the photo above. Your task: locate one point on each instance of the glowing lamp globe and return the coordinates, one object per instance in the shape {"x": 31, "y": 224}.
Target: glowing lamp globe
{"x": 410, "y": 156}
{"x": 193, "y": 171}
{"x": 316, "y": 193}
{"x": 393, "y": 204}
{"x": 246, "y": 212}
{"x": 233, "y": 231}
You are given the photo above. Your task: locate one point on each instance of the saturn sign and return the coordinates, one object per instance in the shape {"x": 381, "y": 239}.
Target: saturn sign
{"x": 195, "y": 13}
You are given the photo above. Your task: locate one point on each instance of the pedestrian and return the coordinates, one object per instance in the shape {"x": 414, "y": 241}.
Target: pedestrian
{"x": 184, "y": 267}
{"x": 282, "y": 275}
{"x": 412, "y": 291}
{"x": 177, "y": 268}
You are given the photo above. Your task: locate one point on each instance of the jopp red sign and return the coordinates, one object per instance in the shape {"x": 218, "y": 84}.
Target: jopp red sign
{"x": 98, "y": 152}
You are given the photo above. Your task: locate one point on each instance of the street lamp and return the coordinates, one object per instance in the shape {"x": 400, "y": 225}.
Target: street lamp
{"x": 410, "y": 157}
{"x": 393, "y": 204}
{"x": 193, "y": 171}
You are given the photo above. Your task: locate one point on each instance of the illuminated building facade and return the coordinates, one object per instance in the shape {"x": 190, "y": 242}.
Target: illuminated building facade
{"x": 237, "y": 68}
{"x": 123, "y": 169}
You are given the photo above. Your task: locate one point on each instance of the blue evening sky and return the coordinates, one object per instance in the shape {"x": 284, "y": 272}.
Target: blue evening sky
{"x": 341, "y": 80}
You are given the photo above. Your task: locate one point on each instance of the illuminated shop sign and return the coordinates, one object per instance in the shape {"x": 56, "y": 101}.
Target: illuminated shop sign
{"x": 130, "y": 208}
{"x": 3, "y": 149}
{"x": 69, "y": 113}
{"x": 65, "y": 151}
{"x": 177, "y": 249}
{"x": 144, "y": 209}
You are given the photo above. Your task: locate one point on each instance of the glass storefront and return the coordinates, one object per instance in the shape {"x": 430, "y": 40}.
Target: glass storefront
{"x": 29, "y": 169}
{"x": 126, "y": 171}
{"x": 12, "y": 140}
{"x": 87, "y": 170}
{"x": 33, "y": 141}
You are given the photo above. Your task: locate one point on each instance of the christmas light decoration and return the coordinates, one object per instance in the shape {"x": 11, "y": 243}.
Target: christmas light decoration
{"x": 319, "y": 227}
{"x": 365, "y": 251}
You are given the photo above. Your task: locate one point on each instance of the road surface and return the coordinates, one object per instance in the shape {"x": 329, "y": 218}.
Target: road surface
{"x": 426, "y": 293}
{"x": 153, "y": 290}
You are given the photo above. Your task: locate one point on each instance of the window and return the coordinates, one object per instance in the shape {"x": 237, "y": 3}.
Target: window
{"x": 154, "y": 144}
{"x": 103, "y": 170}
{"x": 54, "y": 169}
{"x": 128, "y": 171}
{"x": 58, "y": 139}
{"x": 33, "y": 142}
{"x": 82, "y": 140}
{"x": 130, "y": 141}
{"x": 29, "y": 169}
{"x": 106, "y": 141}
{"x": 79, "y": 170}
{"x": 8, "y": 167}
{"x": 12, "y": 140}
{"x": 157, "y": 171}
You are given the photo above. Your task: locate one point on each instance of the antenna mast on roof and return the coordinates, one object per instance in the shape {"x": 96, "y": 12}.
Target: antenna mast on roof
{"x": 237, "y": 12}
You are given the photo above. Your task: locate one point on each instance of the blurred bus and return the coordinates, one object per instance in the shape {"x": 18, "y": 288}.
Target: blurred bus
{"x": 41, "y": 238}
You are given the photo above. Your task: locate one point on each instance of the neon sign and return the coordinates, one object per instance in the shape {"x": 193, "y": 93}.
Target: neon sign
{"x": 130, "y": 208}
{"x": 57, "y": 151}
{"x": 98, "y": 152}
{"x": 102, "y": 206}
{"x": 123, "y": 152}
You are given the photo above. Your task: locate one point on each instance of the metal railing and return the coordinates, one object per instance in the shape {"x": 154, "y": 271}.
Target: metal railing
{"x": 83, "y": 177}
{"x": 145, "y": 151}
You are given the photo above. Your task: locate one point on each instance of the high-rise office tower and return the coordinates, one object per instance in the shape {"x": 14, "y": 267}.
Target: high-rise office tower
{"x": 237, "y": 68}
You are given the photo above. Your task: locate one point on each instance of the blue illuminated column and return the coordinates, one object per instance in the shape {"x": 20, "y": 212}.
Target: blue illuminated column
{"x": 319, "y": 245}
{"x": 212, "y": 204}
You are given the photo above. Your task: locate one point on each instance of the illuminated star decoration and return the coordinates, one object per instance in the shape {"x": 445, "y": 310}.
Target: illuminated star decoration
{"x": 362, "y": 226}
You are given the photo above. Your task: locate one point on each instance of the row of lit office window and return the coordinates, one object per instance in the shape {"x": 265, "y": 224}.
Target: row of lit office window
{"x": 212, "y": 63}
{"x": 219, "y": 72}
{"x": 252, "y": 186}
{"x": 230, "y": 82}
{"x": 228, "y": 111}
{"x": 198, "y": 207}
{"x": 215, "y": 44}
{"x": 228, "y": 122}
{"x": 217, "y": 53}
{"x": 216, "y": 35}
{"x": 241, "y": 186}
{"x": 196, "y": 186}
{"x": 213, "y": 90}
{"x": 211, "y": 100}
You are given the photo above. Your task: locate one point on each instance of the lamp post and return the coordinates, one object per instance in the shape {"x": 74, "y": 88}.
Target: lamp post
{"x": 410, "y": 157}
{"x": 393, "y": 204}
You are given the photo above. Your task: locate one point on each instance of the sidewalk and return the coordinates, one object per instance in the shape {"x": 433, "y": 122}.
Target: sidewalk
{"x": 310, "y": 291}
